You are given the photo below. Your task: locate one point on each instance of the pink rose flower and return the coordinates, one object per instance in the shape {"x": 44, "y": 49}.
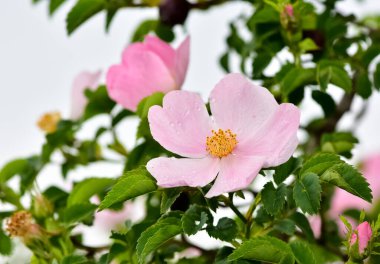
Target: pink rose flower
{"x": 248, "y": 130}
{"x": 110, "y": 220}
{"x": 343, "y": 200}
{"x": 148, "y": 67}
{"x": 84, "y": 80}
{"x": 363, "y": 236}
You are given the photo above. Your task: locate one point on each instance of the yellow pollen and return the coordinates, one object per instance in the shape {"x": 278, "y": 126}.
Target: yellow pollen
{"x": 221, "y": 143}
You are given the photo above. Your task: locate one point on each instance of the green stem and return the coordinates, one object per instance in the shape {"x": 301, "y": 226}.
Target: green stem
{"x": 229, "y": 203}
{"x": 249, "y": 214}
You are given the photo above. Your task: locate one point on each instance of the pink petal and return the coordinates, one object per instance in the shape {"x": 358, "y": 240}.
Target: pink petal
{"x": 182, "y": 124}
{"x": 241, "y": 106}
{"x": 172, "y": 172}
{"x": 315, "y": 224}
{"x": 236, "y": 173}
{"x": 277, "y": 138}
{"x": 81, "y": 82}
{"x": 365, "y": 233}
{"x": 161, "y": 49}
{"x": 130, "y": 50}
{"x": 144, "y": 75}
{"x": 371, "y": 170}
{"x": 182, "y": 58}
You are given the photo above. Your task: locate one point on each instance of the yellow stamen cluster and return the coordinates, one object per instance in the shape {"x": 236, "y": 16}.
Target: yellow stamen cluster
{"x": 18, "y": 225}
{"x": 49, "y": 121}
{"x": 221, "y": 143}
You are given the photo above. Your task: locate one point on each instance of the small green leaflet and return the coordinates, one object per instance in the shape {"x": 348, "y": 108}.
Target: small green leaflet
{"x": 307, "y": 193}
{"x": 132, "y": 184}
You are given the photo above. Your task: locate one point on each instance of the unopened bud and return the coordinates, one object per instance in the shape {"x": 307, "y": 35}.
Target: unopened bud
{"x": 361, "y": 236}
{"x": 42, "y": 207}
{"x": 174, "y": 12}
{"x": 49, "y": 121}
{"x": 288, "y": 18}
{"x": 289, "y": 10}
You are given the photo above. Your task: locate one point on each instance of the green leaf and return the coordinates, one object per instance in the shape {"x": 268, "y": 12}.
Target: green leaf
{"x": 224, "y": 61}
{"x": 308, "y": 45}
{"x": 260, "y": 62}
{"x": 110, "y": 15}
{"x": 303, "y": 223}
{"x": 265, "y": 249}
{"x": 144, "y": 29}
{"x": 77, "y": 213}
{"x": 325, "y": 101}
{"x": 322, "y": 255}
{"x": 8, "y": 195}
{"x": 372, "y": 52}
{"x": 302, "y": 252}
{"x": 307, "y": 193}
{"x": 273, "y": 199}
{"x": 54, "y": 5}
{"x": 74, "y": 259}
{"x": 286, "y": 226}
{"x": 82, "y": 11}
{"x": 63, "y": 135}
{"x": 283, "y": 171}
{"x": 146, "y": 103}
{"x": 164, "y": 32}
{"x": 120, "y": 116}
{"x": 12, "y": 168}
{"x": 348, "y": 178}
{"x": 363, "y": 85}
{"x": 167, "y": 227}
{"x": 376, "y": 77}
{"x": 195, "y": 218}
{"x": 265, "y": 15}
{"x": 295, "y": 78}
{"x": 132, "y": 184}
{"x": 5, "y": 244}
{"x": 225, "y": 230}
{"x": 340, "y": 143}
{"x": 168, "y": 198}
{"x": 333, "y": 72}
{"x": 84, "y": 190}
{"x": 320, "y": 162}
{"x": 98, "y": 102}
{"x": 144, "y": 152}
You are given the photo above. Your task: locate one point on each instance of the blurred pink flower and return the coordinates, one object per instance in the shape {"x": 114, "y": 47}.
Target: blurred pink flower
{"x": 110, "y": 220}
{"x": 364, "y": 232}
{"x": 148, "y": 67}
{"x": 81, "y": 82}
{"x": 248, "y": 131}
{"x": 315, "y": 224}
{"x": 343, "y": 200}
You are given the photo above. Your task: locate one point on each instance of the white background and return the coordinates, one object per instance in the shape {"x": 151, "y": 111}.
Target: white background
{"x": 38, "y": 62}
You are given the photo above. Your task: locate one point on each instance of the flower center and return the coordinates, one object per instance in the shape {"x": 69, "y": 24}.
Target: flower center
{"x": 221, "y": 143}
